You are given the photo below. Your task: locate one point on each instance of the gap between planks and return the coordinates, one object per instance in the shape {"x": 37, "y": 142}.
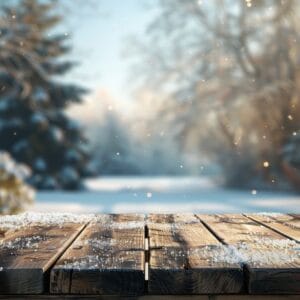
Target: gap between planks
{"x": 147, "y": 259}
{"x": 280, "y": 231}
{"x": 66, "y": 248}
{"x": 146, "y": 256}
{"x": 211, "y": 230}
{"x": 25, "y": 271}
{"x": 123, "y": 251}
{"x": 267, "y": 278}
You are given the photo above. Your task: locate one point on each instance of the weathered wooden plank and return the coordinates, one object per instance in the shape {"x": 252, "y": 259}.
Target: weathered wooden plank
{"x": 107, "y": 258}
{"x": 184, "y": 218}
{"x": 132, "y": 218}
{"x": 295, "y": 215}
{"x": 183, "y": 231}
{"x": 272, "y": 261}
{"x": 182, "y": 259}
{"x": 27, "y": 254}
{"x": 286, "y": 225}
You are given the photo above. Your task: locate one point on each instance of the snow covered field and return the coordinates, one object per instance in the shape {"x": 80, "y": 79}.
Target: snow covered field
{"x": 163, "y": 194}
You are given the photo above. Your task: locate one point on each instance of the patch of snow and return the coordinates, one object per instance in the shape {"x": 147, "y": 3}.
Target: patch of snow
{"x": 160, "y": 183}
{"x": 86, "y": 262}
{"x": 68, "y": 175}
{"x": 126, "y": 225}
{"x": 4, "y": 103}
{"x": 270, "y": 214}
{"x": 166, "y": 206}
{"x": 20, "y": 146}
{"x": 72, "y": 156}
{"x": 39, "y": 119}
{"x": 101, "y": 244}
{"x": 95, "y": 244}
{"x": 260, "y": 252}
{"x": 289, "y": 203}
{"x": 58, "y": 219}
{"x": 40, "y": 95}
{"x": 128, "y": 194}
{"x": 21, "y": 243}
{"x": 105, "y": 260}
{"x": 72, "y": 207}
{"x": 9, "y": 166}
{"x": 40, "y": 164}
{"x": 29, "y": 219}
{"x": 57, "y": 134}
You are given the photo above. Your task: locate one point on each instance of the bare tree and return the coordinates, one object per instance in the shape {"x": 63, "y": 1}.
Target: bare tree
{"x": 232, "y": 70}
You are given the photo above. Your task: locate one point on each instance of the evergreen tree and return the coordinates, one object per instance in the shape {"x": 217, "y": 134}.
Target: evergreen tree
{"x": 33, "y": 125}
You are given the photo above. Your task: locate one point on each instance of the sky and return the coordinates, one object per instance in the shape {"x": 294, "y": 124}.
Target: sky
{"x": 99, "y": 36}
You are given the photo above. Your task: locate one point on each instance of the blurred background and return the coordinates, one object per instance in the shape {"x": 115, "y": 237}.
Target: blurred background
{"x": 150, "y": 105}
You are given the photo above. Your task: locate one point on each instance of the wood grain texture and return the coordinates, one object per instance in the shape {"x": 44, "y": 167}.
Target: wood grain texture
{"x": 107, "y": 258}
{"x": 27, "y": 254}
{"x": 183, "y": 231}
{"x": 286, "y": 225}
{"x": 272, "y": 261}
{"x": 181, "y": 260}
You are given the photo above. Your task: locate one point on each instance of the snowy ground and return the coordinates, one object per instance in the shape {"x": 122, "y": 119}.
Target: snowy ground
{"x": 164, "y": 194}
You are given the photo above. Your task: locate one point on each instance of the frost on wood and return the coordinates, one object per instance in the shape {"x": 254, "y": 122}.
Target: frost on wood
{"x": 255, "y": 250}
{"x": 96, "y": 244}
{"x": 108, "y": 260}
{"x": 112, "y": 242}
{"x": 58, "y": 219}
{"x": 109, "y": 222}
{"x": 265, "y": 252}
{"x": 46, "y": 219}
{"x": 262, "y": 252}
{"x": 15, "y": 195}
{"x": 284, "y": 219}
{"x": 126, "y": 225}
{"x": 22, "y": 243}
{"x": 102, "y": 252}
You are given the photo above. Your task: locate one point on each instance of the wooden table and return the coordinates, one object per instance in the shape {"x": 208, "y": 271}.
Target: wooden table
{"x": 155, "y": 256}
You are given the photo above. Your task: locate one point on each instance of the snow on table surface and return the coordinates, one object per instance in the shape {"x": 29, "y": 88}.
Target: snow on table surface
{"x": 28, "y": 219}
{"x": 162, "y": 195}
{"x": 48, "y": 219}
{"x": 264, "y": 252}
{"x": 260, "y": 251}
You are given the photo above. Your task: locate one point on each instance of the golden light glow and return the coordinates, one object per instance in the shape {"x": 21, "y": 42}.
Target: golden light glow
{"x": 266, "y": 164}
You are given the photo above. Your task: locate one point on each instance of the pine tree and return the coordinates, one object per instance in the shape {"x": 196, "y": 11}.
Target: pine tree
{"x": 33, "y": 125}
